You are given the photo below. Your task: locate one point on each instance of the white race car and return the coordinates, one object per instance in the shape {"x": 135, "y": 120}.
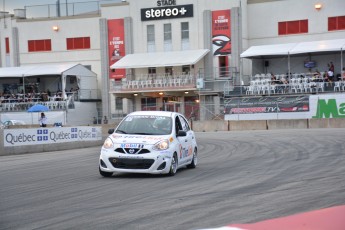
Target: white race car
{"x": 155, "y": 142}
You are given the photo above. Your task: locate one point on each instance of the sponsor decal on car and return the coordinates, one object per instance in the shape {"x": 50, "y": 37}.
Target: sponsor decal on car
{"x": 138, "y": 146}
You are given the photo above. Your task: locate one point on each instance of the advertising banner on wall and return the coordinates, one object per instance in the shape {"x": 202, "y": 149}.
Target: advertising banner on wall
{"x": 116, "y": 46}
{"x": 286, "y": 107}
{"x": 40, "y": 136}
{"x": 267, "y": 104}
{"x": 221, "y": 32}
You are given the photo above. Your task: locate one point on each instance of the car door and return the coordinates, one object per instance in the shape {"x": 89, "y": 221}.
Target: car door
{"x": 186, "y": 142}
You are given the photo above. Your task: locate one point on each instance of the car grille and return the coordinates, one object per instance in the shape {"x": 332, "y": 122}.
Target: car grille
{"x": 131, "y": 163}
{"x": 132, "y": 151}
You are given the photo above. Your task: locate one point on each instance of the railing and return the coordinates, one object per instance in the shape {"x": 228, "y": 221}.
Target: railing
{"x": 263, "y": 84}
{"x": 62, "y": 9}
{"x": 87, "y": 94}
{"x": 149, "y": 82}
{"x": 24, "y": 106}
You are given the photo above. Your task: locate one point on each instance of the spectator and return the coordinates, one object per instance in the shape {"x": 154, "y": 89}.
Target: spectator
{"x": 331, "y": 67}
{"x": 330, "y": 75}
{"x": 343, "y": 74}
{"x": 105, "y": 121}
{"x": 273, "y": 79}
{"x": 43, "y": 120}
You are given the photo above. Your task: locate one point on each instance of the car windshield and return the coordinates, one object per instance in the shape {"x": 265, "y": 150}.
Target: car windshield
{"x": 145, "y": 125}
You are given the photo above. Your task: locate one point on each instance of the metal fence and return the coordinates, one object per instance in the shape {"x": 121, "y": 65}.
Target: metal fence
{"x": 62, "y": 9}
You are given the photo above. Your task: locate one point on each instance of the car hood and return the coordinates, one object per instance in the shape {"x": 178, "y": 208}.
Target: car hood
{"x": 139, "y": 139}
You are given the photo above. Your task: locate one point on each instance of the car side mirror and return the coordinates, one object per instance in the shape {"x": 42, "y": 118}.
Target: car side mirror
{"x": 110, "y": 131}
{"x": 181, "y": 133}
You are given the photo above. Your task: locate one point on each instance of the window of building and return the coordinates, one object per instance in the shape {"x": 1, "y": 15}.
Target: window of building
{"x": 151, "y": 38}
{"x": 185, "y": 35}
{"x": 78, "y": 43}
{"x": 336, "y": 23}
{"x": 169, "y": 70}
{"x": 186, "y": 69}
{"x": 7, "y": 42}
{"x": 39, "y": 45}
{"x": 148, "y": 104}
{"x": 293, "y": 27}
{"x": 167, "y": 37}
{"x": 118, "y": 103}
{"x": 152, "y": 71}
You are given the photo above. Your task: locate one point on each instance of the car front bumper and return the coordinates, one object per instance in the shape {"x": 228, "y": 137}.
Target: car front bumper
{"x": 157, "y": 162}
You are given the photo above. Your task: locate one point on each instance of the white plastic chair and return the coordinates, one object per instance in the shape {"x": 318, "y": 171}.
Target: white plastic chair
{"x": 337, "y": 85}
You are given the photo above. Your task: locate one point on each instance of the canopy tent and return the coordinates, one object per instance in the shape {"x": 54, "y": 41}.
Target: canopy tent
{"x": 268, "y": 50}
{"x": 85, "y": 77}
{"x": 319, "y": 46}
{"x": 291, "y": 49}
{"x": 160, "y": 59}
{"x": 52, "y": 69}
{"x": 294, "y": 48}
{"x": 14, "y": 72}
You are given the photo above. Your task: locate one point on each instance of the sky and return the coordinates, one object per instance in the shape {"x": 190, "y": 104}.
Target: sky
{"x": 9, "y": 5}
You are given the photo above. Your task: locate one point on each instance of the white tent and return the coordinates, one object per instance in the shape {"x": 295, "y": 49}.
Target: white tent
{"x": 86, "y": 78}
{"x": 160, "y": 59}
{"x": 291, "y": 49}
{"x": 319, "y": 46}
{"x": 268, "y": 50}
{"x": 336, "y": 45}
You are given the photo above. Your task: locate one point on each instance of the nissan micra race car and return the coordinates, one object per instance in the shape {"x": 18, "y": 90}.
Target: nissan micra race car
{"x": 154, "y": 142}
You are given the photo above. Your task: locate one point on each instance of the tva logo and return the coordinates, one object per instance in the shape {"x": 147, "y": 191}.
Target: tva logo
{"x": 328, "y": 109}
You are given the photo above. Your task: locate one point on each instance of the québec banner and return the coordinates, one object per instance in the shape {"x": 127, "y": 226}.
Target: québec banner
{"x": 40, "y": 136}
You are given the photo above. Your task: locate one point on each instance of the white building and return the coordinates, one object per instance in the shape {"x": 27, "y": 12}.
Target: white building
{"x": 171, "y": 50}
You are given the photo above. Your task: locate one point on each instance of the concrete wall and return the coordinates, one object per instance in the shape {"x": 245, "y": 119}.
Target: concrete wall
{"x": 197, "y": 126}
{"x": 207, "y": 126}
{"x": 51, "y": 147}
{"x": 211, "y": 126}
{"x": 287, "y": 124}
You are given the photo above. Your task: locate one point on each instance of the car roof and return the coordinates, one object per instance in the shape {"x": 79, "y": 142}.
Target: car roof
{"x": 156, "y": 113}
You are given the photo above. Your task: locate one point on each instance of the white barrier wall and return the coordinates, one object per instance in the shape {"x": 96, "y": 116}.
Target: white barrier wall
{"x": 45, "y": 136}
{"x": 32, "y": 118}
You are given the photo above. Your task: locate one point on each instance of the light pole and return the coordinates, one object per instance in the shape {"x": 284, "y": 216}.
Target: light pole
{"x": 66, "y": 8}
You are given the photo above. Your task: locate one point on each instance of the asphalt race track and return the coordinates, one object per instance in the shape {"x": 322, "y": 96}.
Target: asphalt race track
{"x": 241, "y": 177}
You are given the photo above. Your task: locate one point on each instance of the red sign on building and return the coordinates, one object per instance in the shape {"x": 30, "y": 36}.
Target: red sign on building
{"x": 221, "y": 32}
{"x": 116, "y": 46}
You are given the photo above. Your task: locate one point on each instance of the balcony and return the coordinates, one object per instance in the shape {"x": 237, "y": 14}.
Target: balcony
{"x": 154, "y": 82}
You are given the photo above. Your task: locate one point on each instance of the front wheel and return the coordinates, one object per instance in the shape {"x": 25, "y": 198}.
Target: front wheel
{"x": 173, "y": 166}
{"x": 194, "y": 162}
{"x": 105, "y": 174}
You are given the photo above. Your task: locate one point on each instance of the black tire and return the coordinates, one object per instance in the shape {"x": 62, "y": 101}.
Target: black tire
{"x": 105, "y": 174}
{"x": 173, "y": 166}
{"x": 194, "y": 162}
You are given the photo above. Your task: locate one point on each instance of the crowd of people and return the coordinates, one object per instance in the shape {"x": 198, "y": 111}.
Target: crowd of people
{"x": 32, "y": 96}
{"x": 317, "y": 76}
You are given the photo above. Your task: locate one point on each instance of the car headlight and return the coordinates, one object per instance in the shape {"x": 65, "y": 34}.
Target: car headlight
{"x": 161, "y": 145}
{"x": 108, "y": 143}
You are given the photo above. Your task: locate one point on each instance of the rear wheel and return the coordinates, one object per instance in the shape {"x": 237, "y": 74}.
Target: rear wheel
{"x": 194, "y": 162}
{"x": 173, "y": 166}
{"x": 105, "y": 174}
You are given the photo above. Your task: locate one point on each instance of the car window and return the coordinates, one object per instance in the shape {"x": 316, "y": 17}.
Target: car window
{"x": 145, "y": 125}
{"x": 184, "y": 124}
{"x": 178, "y": 125}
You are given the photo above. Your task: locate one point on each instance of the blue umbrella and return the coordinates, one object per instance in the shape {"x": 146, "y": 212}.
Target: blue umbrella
{"x": 38, "y": 108}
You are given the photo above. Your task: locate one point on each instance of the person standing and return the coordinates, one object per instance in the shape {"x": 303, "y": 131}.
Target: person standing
{"x": 331, "y": 67}
{"x": 43, "y": 120}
